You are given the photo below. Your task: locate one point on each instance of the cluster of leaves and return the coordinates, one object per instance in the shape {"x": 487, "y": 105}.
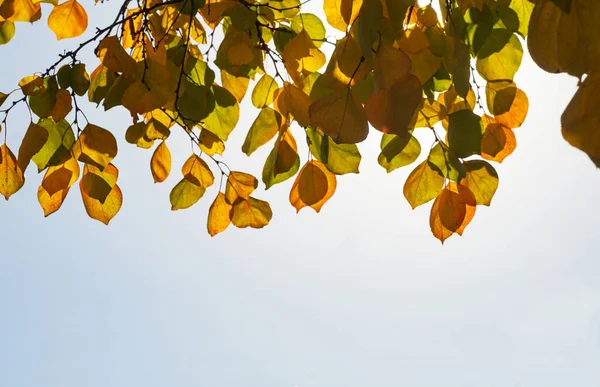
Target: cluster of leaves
{"x": 396, "y": 67}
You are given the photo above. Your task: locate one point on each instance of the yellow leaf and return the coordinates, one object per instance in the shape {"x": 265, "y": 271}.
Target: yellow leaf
{"x": 223, "y": 119}
{"x": 581, "y": 119}
{"x": 498, "y": 142}
{"x": 61, "y": 177}
{"x": 262, "y": 95}
{"x": 298, "y": 104}
{"x": 56, "y": 184}
{"x": 95, "y": 146}
{"x": 11, "y": 176}
{"x": 424, "y": 65}
{"x": 58, "y": 146}
{"x": 103, "y": 212}
{"x": 219, "y": 215}
{"x": 500, "y": 64}
{"x": 313, "y": 186}
{"x": 422, "y": 185}
{"x": 26, "y": 11}
{"x": 263, "y": 129}
{"x": 131, "y": 28}
{"x": 391, "y": 65}
{"x": 34, "y": 140}
{"x": 508, "y": 103}
{"x": 239, "y": 184}
{"x": 115, "y": 58}
{"x": 240, "y": 54}
{"x": 391, "y": 111}
{"x": 68, "y": 20}
{"x": 63, "y": 105}
{"x": 435, "y": 223}
{"x": 236, "y": 85}
{"x": 398, "y": 151}
{"x": 32, "y": 84}
{"x": 197, "y": 172}
{"x": 427, "y": 16}
{"x": 564, "y": 36}
{"x": 347, "y": 65}
{"x": 481, "y": 179}
{"x": 160, "y": 163}
{"x": 413, "y": 40}
{"x": 283, "y": 162}
{"x": 453, "y": 203}
{"x": 7, "y": 31}
{"x": 210, "y": 144}
{"x": 301, "y": 56}
{"x": 185, "y": 194}
{"x": 51, "y": 203}
{"x": 98, "y": 184}
{"x": 341, "y": 13}
{"x": 428, "y": 114}
{"x": 341, "y": 116}
{"x": 251, "y": 212}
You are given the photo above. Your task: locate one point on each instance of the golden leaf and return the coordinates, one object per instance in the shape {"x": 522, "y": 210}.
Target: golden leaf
{"x": 68, "y": 20}
{"x": 219, "y": 215}
{"x": 313, "y": 186}
{"x": 160, "y": 163}
{"x": 11, "y": 176}
{"x": 95, "y": 146}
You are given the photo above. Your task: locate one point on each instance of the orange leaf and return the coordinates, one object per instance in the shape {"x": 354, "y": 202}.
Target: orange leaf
{"x": 160, "y": 163}
{"x": 11, "y": 176}
{"x": 219, "y": 215}
{"x": 313, "y": 186}
{"x": 68, "y": 20}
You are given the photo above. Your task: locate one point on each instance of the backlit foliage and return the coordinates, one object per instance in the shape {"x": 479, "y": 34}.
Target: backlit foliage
{"x": 395, "y": 67}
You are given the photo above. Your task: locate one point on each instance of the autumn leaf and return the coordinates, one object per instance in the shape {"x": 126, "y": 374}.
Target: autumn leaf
{"x": 219, "y": 215}
{"x": 185, "y": 194}
{"x": 313, "y": 186}
{"x": 481, "y": 179}
{"x": 160, "y": 163}
{"x": 95, "y": 146}
{"x": 251, "y": 212}
{"x": 239, "y": 184}
{"x": 341, "y": 116}
{"x": 68, "y": 20}
{"x": 11, "y": 176}
{"x": 452, "y": 211}
{"x": 422, "y": 185}
{"x": 101, "y": 203}
{"x": 391, "y": 111}
{"x": 56, "y": 185}
{"x": 581, "y": 117}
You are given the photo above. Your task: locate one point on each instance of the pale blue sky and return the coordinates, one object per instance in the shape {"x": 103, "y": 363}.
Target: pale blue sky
{"x": 358, "y": 295}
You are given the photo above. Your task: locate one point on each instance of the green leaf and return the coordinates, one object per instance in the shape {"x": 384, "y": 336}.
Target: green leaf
{"x": 263, "y": 129}
{"x": 7, "y": 31}
{"x": 101, "y": 81}
{"x": 185, "y": 194}
{"x": 312, "y": 25}
{"x": 57, "y": 149}
{"x": 283, "y": 161}
{"x": 523, "y": 9}
{"x": 481, "y": 179}
{"x": 398, "y": 151}
{"x": 225, "y": 115}
{"x": 338, "y": 158}
{"x": 465, "y": 131}
{"x": 42, "y": 103}
{"x": 500, "y": 57}
{"x": 262, "y": 94}
{"x": 446, "y": 162}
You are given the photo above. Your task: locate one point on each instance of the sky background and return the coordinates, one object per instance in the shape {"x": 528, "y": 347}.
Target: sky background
{"x": 359, "y": 295}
